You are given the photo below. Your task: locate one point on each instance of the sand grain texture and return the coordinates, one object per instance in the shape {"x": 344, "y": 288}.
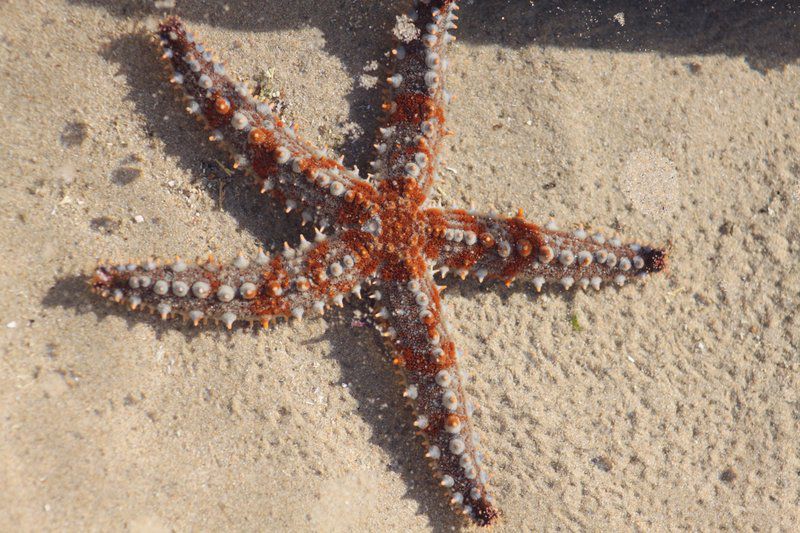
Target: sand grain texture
{"x": 670, "y": 406}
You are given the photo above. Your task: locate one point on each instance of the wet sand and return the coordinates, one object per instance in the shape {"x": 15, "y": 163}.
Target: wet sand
{"x": 672, "y": 405}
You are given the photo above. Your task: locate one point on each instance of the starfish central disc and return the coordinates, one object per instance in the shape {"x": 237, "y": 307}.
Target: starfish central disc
{"x": 401, "y": 233}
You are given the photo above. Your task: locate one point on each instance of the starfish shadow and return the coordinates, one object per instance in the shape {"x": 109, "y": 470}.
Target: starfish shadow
{"x": 185, "y": 141}
{"x": 339, "y": 22}
{"x": 72, "y": 292}
{"x": 372, "y": 381}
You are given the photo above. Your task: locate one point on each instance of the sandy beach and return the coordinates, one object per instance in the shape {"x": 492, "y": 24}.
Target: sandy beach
{"x": 672, "y": 405}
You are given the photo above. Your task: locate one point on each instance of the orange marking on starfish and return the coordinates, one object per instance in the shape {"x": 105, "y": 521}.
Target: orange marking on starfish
{"x": 221, "y": 105}
{"x": 413, "y": 108}
{"x": 520, "y": 230}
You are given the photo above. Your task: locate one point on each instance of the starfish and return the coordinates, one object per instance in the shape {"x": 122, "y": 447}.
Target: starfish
{"x": 375, "y": 232}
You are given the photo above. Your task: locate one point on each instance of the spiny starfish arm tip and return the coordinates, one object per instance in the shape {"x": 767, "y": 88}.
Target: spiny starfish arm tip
{"x": 655, "y": 259}
{"x": 492, "y": 247}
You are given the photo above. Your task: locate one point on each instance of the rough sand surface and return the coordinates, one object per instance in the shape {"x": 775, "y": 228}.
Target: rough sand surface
{"x": 673, "y": 405}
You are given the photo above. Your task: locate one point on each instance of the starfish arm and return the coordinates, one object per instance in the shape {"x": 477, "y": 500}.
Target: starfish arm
{"x": 409, "y": 143}
{"x": 295, "y": 172}
{"x": 293, "y": 283}
{"x": 509, "y": 248}
{"x": 410, "y": 315}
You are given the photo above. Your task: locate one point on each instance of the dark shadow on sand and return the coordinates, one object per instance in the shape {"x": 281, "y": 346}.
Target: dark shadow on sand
{"x": 764, "y": 33}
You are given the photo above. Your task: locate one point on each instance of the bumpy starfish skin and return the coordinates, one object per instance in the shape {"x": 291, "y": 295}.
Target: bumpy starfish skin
{"x": 379, "y": 234}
